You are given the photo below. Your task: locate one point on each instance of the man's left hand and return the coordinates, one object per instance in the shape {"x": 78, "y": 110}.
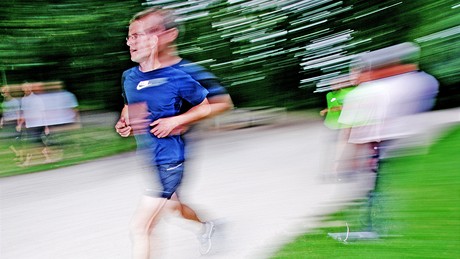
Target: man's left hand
{"x": 163, "y": 127}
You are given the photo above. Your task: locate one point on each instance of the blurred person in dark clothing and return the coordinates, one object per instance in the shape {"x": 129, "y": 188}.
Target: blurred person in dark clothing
{"x": 155, "y": 91}
{"x": 167, "y": 29}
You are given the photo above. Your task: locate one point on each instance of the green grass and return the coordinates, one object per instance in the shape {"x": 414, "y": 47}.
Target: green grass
{"x": 417, "y": 211}
{"x": 77, "y": 146}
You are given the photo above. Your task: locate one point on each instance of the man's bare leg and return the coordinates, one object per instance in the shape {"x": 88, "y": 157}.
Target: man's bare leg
{"x": 204, "y": 230}
{"x": 46, "y": 154}
{"x": 185, "y": 211}
{"x": 145, "y": 217}
{"x": 194, "y": 224}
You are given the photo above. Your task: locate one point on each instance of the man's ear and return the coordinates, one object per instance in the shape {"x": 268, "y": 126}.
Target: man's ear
{"x": 171, "y": 34}
{"x": 154, "y": 40}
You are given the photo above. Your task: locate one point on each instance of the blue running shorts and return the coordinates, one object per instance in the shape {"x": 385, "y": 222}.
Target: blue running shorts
{"x": 170, "y": 178}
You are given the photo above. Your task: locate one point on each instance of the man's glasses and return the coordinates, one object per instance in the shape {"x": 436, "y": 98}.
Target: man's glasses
{"x": 134, "y": 36}
{"x": 153, "y": 30}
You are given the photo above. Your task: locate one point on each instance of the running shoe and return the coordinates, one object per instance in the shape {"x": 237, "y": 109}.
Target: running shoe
{"x": 205, "y": 238}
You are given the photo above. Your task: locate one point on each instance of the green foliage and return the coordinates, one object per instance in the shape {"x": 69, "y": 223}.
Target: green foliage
{"x": 261, "y": 51}
{"x": 80, "y": 42}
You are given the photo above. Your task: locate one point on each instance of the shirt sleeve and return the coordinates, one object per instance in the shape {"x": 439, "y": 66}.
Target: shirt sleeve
{"x": 190, "y": 90}
{"x": 213, "y": 86}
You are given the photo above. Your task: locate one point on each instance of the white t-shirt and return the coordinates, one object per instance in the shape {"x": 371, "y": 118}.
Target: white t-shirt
{"x": 33, "y": 110}
{"x": 60, "y": 107}
{"x": 11, "y": 109}
{"x": 377, "y": 110}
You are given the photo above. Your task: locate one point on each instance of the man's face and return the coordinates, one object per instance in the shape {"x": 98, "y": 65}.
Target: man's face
{"x": 27, "y": 88}
{"x": 4, "y": 92}
{"x": 145, "y": 37}
{"x": 141, "y": 45}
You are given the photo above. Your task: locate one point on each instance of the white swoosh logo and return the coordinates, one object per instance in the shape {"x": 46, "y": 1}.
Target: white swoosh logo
{"x": 151, "y": 83}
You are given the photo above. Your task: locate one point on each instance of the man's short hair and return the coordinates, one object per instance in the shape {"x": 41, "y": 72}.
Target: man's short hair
{"x": 168, "y": 17}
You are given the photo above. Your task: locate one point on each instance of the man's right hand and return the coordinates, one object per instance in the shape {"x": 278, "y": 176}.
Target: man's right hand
{"x": 123, "y": 128}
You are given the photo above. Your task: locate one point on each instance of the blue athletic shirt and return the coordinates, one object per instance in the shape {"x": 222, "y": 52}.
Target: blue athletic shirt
{"x": 207, "y": 79}
{"x": 163, "y": 91}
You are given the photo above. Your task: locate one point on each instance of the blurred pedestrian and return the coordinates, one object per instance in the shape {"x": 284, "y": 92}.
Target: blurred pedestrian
{"x": 61, "y": 105}
{"x": 62, "y": 115}
{"x": 33, "y": 117}
{"x": 340, "y": 87}
{"x": 164, "y": 25}
{"x": 154, "y": 92}
{"x": 168, "y": 30}
{"x": 391, "y": 89}
{"x": 9, "y": 122}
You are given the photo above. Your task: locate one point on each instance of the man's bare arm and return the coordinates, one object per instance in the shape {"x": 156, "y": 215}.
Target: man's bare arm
{"x": 164, "y": 126}
{"x": 220, "y": 104}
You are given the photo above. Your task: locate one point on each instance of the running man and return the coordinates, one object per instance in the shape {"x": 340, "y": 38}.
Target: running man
{"x": 166, "y": 28}
{"x": 154, "y": 91}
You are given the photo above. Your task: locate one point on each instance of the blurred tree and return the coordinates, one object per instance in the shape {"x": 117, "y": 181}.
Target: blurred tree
{"x": 80, "y": 42}
{"x": 268, "y": 53}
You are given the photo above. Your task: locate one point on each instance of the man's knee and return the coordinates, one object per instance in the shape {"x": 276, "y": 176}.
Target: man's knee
{"x": 137, "y": 228}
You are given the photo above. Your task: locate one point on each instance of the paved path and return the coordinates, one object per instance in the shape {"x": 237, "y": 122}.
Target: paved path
{"x": 265, "y": 183}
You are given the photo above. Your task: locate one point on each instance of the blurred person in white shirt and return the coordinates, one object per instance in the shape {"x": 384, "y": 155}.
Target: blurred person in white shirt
{"x": 33, "y": 117}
